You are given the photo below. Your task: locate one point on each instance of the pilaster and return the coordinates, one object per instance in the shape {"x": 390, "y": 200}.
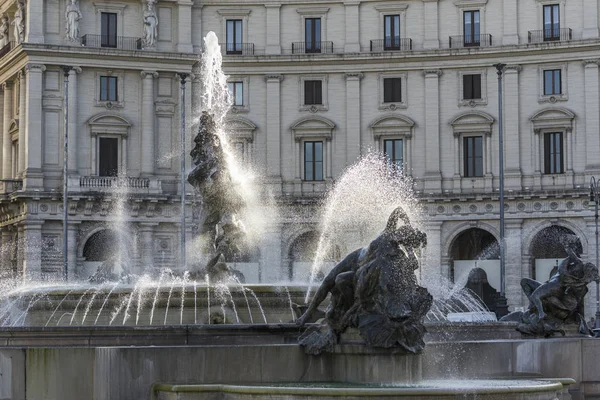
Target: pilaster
{"x": 273, "y": 29}
{"x": 74, "y": 149}
{"x": 272, "y": 256}
{"x": 184, "y": 26}
{"x": 514, "y": 269}
{"x": 7, "y": 244}
{"x": 353, "y": 117}
{"x": 512, "y": 136}
{"x": 72, "y": 233}
{"x": 431, "y": 24}
{"x": 433, "y": 177}
{"x": 34, "y": 25}
{"x": 590, "y": 19}
{"x": 32, "y": 250}
{"x": 146, "y": 231}
{"x": 352, "y": 27}
{"x": 22, "y": 122}
{"x": 509, "y": 10}
{"x": 1, "y": 132}
{"x": 148, "y": 135}
{"x": 592, "y": 114}
{"x": 433, "y": 254}
{"x": 273, "y": 134}
{"x": 33, "y": 136}
{"x": 197, "y": 39}
{"x": 8, "y": 88}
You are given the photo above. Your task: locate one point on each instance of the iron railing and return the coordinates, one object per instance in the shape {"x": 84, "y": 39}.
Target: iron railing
{"x": 7, "y": 48}
{"x": 8, "y": 186}
{"x": 114, "y": 42}
{"x": 239, "y": 49}
{"x": 551, "y": 35}
{"x": 481, "y": 40}
{"x": 312, "y": 47}
{"x": 393, "y": 44}
{"x": 113, "y": 182}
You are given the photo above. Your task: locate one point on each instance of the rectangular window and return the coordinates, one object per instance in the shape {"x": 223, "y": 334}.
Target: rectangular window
{"x": 313, "y": 161}
{"x": 552, "y": 83}
{"x": 312, "y": 35}
{"x": 472, "y": 87}
{"x": 313, "y": 92}
{"x": 391, "y": 32}
{"x": 392, "y": 90}
{"x": 108, "y": 27}
{"x": 236, "y": 89}
{"x": 551, "y": 22}
{"x": 471, "y": 28}
{"x": 108, "y": 88}
{"x": 234, "y": 36}
{"x": 394, "y": 152}
{"x": 473, "y": 156}
{"x": 553, "y": 153}
{"x": 108, "y": 156}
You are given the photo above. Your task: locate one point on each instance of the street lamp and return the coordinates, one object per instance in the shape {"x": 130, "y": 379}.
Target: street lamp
{"x": 500, "y": 69}
{"x": 66, "y": 69}
{"x": 595, "y": 198}
{"x": 182, "y": 260}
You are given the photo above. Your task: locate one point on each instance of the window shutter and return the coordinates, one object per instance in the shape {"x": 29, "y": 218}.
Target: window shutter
{"x": 467, "y": 87}
{"x": 318, "y": 92}
{"x": 308, "y": 92}
{"x": 397, "y": 90}
{"x": 477, "y": 86}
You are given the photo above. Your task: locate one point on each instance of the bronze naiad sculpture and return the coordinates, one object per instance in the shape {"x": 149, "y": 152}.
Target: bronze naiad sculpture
{"x": 375, "y": 290}
{"x": 558, "y": 301}
{"x": 221, "y": 204}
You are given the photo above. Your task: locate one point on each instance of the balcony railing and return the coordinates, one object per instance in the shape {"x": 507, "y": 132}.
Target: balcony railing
{"x": 481, "y": 40}
{"x": 8, "y": 186}
{"x": 239, "y": 49}
{"x": 114, "y": 42}
{"x": 551, "y": 35}
{"x": 103, "y": 182}
{"x": 312, "y": 47}
{"x": 395, "y": 44}
{"x": 7, "y": 48}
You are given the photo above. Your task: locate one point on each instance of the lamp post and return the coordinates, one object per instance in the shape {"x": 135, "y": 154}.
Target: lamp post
{"x": 183, "y": 77}
{"x": 500, "y": 69}
{"x": 66, "y": 69}
{"x": 595, "y": 198}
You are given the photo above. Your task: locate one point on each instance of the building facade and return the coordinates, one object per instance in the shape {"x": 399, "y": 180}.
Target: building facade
{"x": 315, "y": 84}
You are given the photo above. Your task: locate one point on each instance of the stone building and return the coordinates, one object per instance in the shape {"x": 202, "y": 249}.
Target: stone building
{"x": 315, "y": 84}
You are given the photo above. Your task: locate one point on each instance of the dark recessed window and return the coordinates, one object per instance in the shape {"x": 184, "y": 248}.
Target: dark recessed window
{"x": 392, "y": 90}
{"x": 234, "y": 36}
{"x": 471, "y": 86}
{"x": 108, "y": 28}
{"x": 552, "y": 84}
{"x": 313, "y": 92}
{"x": 108, "y": 88}
{"x": 471, "y": 28}
{"x": 551, "y": 22}
{"x": 393, "y": 149}
{"x": 473, "y": 156}
{"x": 236, "y": 89}
{"x": 108, "y": 156}
{"x": 553, "y": 153}
{"x": 313, "y": 161}
{"x": 312, "y": 35}
{"x": 391, "y": 32}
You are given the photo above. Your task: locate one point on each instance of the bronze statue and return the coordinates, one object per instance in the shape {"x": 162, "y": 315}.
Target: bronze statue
{"x": 558, "y": 301}
{"x": 375, "y": 290}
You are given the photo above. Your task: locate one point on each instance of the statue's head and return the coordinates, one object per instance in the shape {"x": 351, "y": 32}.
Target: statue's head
{"x": 590, "y": 273}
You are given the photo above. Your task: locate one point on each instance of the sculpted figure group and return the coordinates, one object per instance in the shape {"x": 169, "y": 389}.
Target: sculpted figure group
{"x": 375, "y": 290}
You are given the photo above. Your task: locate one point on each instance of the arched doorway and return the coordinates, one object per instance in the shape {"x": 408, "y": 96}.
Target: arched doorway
{"x": 548, "y": 249}
{"x": 99, "y": 247}
{"x": 302, "y": 254}
{"x": 475, "y": 248}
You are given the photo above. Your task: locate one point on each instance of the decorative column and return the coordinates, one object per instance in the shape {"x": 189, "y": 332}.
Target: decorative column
{"x": 514, "y": 271}
{"x": 590, "y": 19}
{"x": 592, "y": 116}
{"x": 34, "y": 25}
{"x": 146, "y": 231}
{"x": 72, "y": 231}
{"x": 431, "y": 24}
{"x": 184, "y": 26}
{"x": 353, "y": 116}
{"x": 6, "y": 139}
{"x": 273, "y": 132}
{"x": 352, "y": 27}
{"x": 433, "y": 177}
{"x": 74, "y": 150}
{"x": 511, "y": 124}
{"x": 22, "y": 122}
{"x": 32, "y": 249}
{"x": 537, "y": 163}
{"x": 148, "y": 151}
{"x": 33, "y": 135}
{"x": 273, "y": 29}
{"x": 509, "y": 10}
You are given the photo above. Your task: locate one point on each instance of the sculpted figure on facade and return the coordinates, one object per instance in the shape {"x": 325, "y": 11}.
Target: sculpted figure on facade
{"x": 72, "y": 15}
{"x": 19, "y": 23}
{"x": 4, "y": 26}
{"x": 150, "y": 25}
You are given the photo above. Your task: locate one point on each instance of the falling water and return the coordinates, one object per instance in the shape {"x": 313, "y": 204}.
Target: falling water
{"x": 90, "y": 303}
{"x": 57, "y": 307}
{"x": 185, "y": 278}
{"x": 119, "y": 224}
{"x": 136, "y": 289}
{"x": 257, "y": 302}
{"x": 169, "y": 301}
{"x": 160, "y": 279}
{"x": 225, "y": 294}
{"x": 119, "y": 308}
{"x": 206, "y": 278}
{"x": 237, "y": 281}
{"x": 195, "y": 302}
{"x": 77, "y": 306}
{"x": 290, "y": 301}
{"x": 104, "y": 302}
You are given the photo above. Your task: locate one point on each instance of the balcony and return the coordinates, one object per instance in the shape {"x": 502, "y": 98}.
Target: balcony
{"x": 312, "y": 47}
{"x": 396, "y": 44}
{"x": 8, "y": 186}
{"x": 6, "y": 49}
{"x": 462, "y": 41}
{"x": 112, "y": 42}
{"x": 550, "y": 35}
{"x": 111, "y": 184}
{"x": 237, "y": 49}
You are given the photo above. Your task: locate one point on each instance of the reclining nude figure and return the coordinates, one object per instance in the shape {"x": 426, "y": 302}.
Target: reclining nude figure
{"x": 374, "y": 288}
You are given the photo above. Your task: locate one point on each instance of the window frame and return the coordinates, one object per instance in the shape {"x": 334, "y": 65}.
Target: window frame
{"x": 394, "y": 44}
{"x": 120, "y": 89}
{"x": 105, "y": 40}
{"x": 470, "y": 5}
{"x": 462, "y": 102}
{"x": 99, "y": 140}
{"x": 234, "y": 14}
{"x": 473, "y": 33}
{"x": 115, "y": 8}
{"x": 553, "y": 98}
{"x": 392, "y": 9}
{"x": 233, "y": 93}
{"x": 317, "y": 92}
{"x": 552, "y": 7}
{"x": 313, "y": 12}
{"x": 398, "y": 163}
{"x": 109, "y": 79}
{"x": 313, "y": 161}
{"x": 234, "y": 49}
{"x": 392, "y": 106}
{"x": 324, "y": 93}
{"x": 315, "y": 45}
{"x": 548, "y": 155}
{"x": 466, "y": 170}
{"x": 553, "y": 83}
{"x": 474, "y": 88}
{"x": 395, "y": 91}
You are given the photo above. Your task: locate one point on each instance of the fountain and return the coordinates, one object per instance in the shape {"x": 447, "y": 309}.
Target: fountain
{"x": 204, "y": 333}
